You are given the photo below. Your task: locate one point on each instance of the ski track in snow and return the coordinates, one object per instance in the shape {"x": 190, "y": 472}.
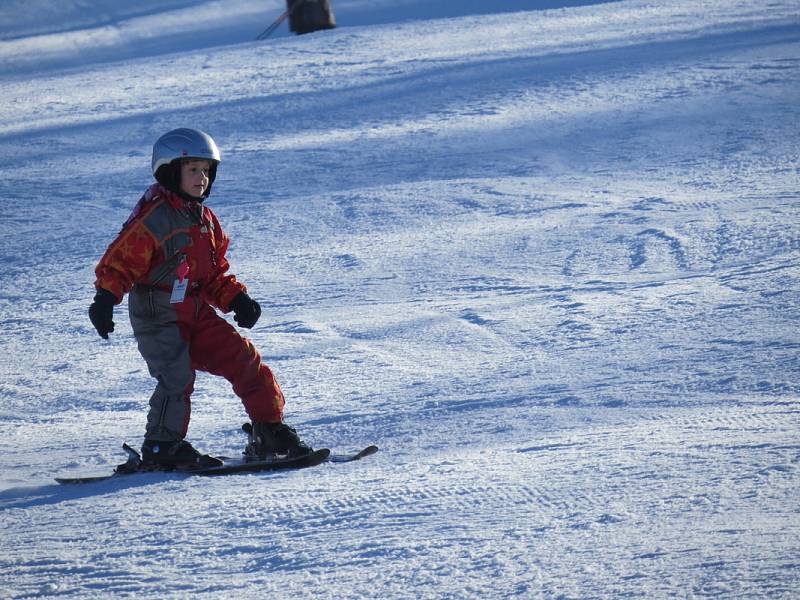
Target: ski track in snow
{"x": 466, "y": 522}
{"x": 547, "y": 261}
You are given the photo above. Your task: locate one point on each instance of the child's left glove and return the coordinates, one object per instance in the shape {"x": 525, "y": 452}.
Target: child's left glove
{"x": 245, "y": 310}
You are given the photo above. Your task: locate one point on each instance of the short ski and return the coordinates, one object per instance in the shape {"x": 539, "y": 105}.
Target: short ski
{"x": 340, "y": 458}
{"x": 241, "y": 465}
{"x": 222, "y": 465}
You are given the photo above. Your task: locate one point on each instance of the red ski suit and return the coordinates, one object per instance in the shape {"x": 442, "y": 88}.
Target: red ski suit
{"x": 166, "y": 241}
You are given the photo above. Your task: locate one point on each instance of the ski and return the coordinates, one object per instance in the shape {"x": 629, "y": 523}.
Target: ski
{"x": 213, "y": 465}
{"x": 342, "y": 458}
{"x": 245, "y": 465}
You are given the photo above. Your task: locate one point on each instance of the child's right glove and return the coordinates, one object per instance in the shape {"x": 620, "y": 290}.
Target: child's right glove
{"x": 101, "y": 312}
{"x": 245, "y": 310}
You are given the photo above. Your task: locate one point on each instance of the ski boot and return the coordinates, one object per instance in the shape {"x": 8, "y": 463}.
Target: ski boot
{"x": 159, "y": 453}
{"x": 270, "y": 439}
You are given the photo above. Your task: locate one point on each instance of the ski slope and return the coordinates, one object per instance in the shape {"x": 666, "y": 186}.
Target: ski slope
{"x": 544, "y": 255}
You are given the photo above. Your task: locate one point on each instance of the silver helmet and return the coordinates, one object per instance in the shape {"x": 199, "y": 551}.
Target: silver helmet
{"x": 182, "y": 143}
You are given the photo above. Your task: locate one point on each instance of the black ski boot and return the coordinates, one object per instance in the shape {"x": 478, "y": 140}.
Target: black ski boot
{"x": 171, "y": 454}
{"x": 269, "y": 439}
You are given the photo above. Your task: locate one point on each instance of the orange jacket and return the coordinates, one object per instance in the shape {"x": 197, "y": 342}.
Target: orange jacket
{"x": 163, "y": 232}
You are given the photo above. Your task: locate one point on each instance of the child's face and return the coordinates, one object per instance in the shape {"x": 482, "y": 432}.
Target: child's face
{"x": 194, "y": 176}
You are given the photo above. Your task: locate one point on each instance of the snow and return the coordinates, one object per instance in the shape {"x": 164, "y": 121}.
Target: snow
{"x": 545, "y": 255}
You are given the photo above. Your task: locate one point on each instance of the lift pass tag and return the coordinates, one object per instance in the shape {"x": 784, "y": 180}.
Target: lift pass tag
{"x": 179, "y": 291}
{"x": 181, "y": 283}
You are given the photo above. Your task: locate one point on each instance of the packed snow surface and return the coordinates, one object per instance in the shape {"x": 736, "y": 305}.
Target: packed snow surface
{"x": 544, "y": 255}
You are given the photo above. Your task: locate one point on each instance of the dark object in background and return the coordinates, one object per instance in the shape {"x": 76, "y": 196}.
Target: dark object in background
{"x": 306, "y": 16}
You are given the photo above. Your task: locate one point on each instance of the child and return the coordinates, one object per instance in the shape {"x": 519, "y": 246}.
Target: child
{"x": 170, "y": 258}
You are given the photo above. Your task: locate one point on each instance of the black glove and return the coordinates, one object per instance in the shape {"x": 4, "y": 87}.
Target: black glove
{"x": 101, "y": 312}
{"x": 245, "y": 310}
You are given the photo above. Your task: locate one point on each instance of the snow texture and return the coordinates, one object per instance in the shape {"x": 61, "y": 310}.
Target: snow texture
{"x": 544, "y": 255}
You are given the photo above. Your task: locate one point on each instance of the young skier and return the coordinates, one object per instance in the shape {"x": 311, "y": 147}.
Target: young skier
{"x": 170, "y": 259}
